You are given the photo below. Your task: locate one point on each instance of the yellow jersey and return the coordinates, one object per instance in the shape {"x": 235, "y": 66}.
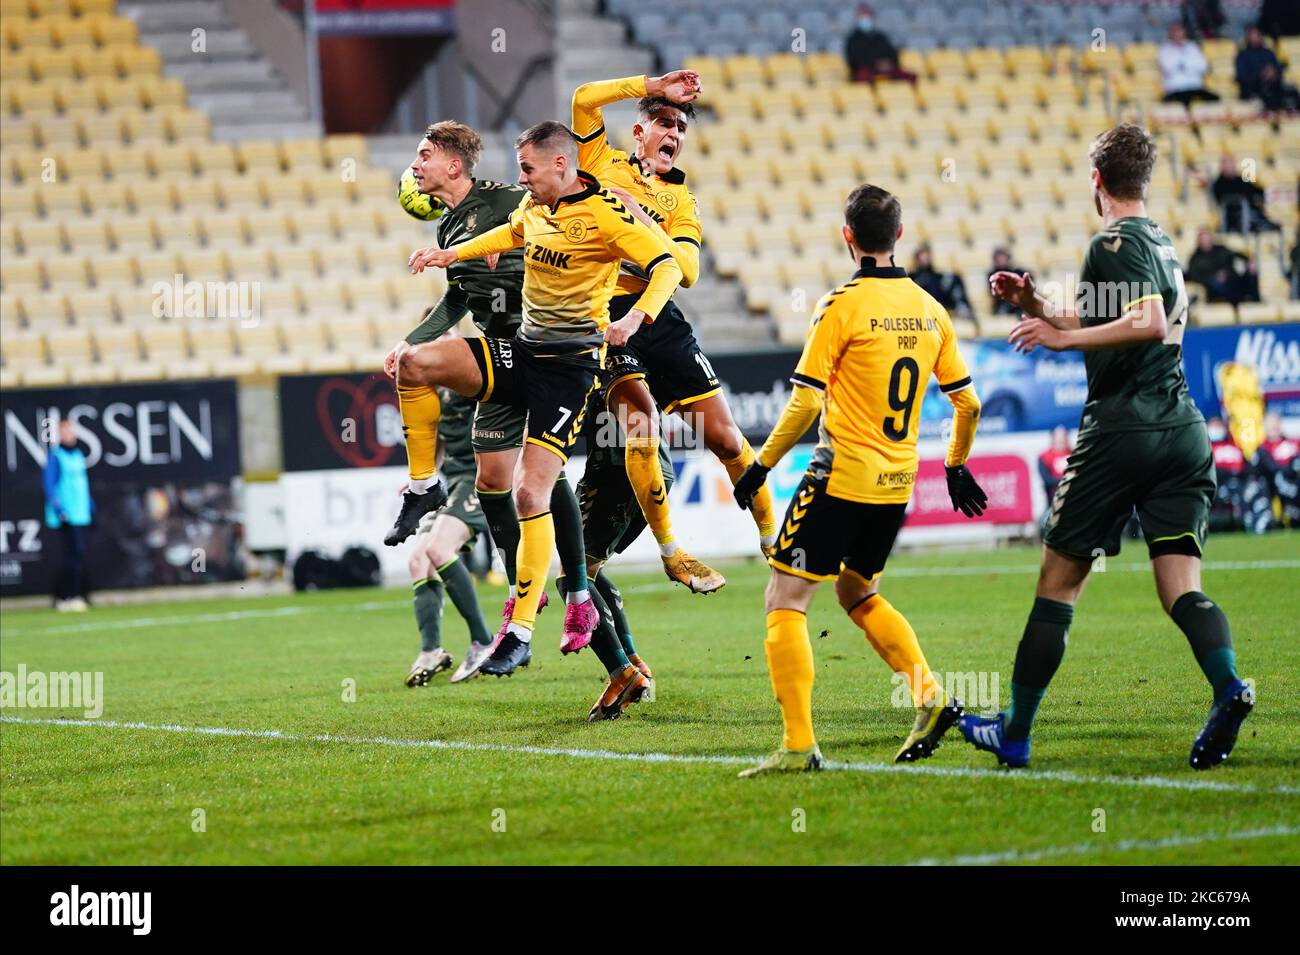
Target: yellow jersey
{"x": 572, "y": 253}
{"x": 872, "y": 346}
{"x": 664, "y": 198}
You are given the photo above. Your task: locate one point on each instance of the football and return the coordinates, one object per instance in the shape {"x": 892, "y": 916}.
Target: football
{"x": 425, "y": 208}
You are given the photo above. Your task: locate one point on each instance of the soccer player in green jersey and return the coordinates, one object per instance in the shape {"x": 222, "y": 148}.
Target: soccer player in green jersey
{"x": 435, "y": 563}
{"x": 1142, "y": 444}
{"x": 490, "y": 291}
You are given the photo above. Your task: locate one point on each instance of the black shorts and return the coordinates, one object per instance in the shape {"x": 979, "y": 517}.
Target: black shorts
{"x": 823, "y": 535}
{"x": 1166, "y": 474}
{"x": 665, "y": 354}
{"x": 611, "y": 516}
{"x": 549, "y": 381}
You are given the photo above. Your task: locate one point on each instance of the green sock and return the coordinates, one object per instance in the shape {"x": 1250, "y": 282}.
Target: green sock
{"x": 604, "y": 641}
{"x": 503, "y": 522}
{"x": 1207, "y": 631}
{"x": 460, "y": 588}
{"x": 568, "y": 533}
{"x": 614, "y": 601}
{"x": 1039, "y": 654}
{"x": 428, "y": 612}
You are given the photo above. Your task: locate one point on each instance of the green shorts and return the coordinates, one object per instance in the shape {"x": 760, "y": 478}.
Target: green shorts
{"x": 498, "y": 428}
{"x": 462, "y": 504}
{"x": 1166, "y": 474}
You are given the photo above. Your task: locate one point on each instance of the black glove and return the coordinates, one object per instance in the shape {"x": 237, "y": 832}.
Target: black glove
{"x": 967, "y": 496}
{"x": 749, "y": 484}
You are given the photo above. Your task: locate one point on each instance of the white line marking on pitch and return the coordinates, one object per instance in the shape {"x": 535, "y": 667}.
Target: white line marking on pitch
{"x": 1126, "y": 845}
{"x": 1145, "y": 782}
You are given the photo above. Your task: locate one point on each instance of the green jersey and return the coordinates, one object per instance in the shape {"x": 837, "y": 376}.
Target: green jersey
{"x": 492, "y": 297}
{"x": 454, "y": 430}
{"x": 1141, "y": 387}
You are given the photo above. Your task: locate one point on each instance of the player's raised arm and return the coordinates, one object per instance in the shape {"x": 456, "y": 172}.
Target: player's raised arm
{"x": 648, "y": 248}
{"x": 679, "y": 86}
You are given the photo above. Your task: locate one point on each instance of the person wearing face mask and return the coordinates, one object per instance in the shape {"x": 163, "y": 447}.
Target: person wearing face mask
{"x": 871, "y": 55}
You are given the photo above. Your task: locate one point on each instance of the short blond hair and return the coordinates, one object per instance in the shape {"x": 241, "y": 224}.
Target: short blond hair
{"x": 456, "y": 139}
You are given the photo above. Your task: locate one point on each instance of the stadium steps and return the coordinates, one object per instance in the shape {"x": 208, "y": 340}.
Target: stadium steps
{"x": 230, "y": 80}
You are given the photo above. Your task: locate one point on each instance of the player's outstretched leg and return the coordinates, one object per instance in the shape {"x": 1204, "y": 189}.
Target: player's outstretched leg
{"x": 1178, "y": 582}
{"x": 1042, "y": 646}
{"x": 631, "y": 401}
{"x": 459, "y": 584}
{"x": 893, "y": 638}
{"x": 613, "y": 602}
{"x": 426, "y": 601}
{"x": 729, "y": 445}
{"x": 421, "y": 369}
{"x": 790, "y": 666}
{"x": 627, "y": 685}
{"x": 580, "y": 613}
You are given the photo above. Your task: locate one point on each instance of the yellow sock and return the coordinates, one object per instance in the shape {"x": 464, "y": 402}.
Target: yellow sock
{"x": 895, "y": 640}
{"x": 761, "y": 508}
{"x": 646, "y": 476}
{"x": 536, "y": 545}
{"x": 790, "y": 665}
{"x": 421, "y": 411}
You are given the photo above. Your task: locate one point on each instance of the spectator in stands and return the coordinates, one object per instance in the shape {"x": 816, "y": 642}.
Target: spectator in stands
{"x": 1293, "y": 274}
{"x": 1228, "y": 276}
{"x": 1002, "y": 263}
{"x": 70, "y": 509}
{"x": 1241, "y": 203}
{"x": 947, "y": 287}
{"x": 1277, "y": 97}
{"x": 1280, "y": 448}
{"x": 1284, "y": 453}
{"x": 1182, "y": 68}
{"x": 1251, "y": 60}
{"x": 1280, "y": 18}
{"x": 1051, "y": 464}
{"x": 871, "y": 55}
{"x": 1203, "y": 18}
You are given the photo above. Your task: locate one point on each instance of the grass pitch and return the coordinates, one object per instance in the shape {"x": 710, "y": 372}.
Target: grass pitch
{"x": 304, "y": 775}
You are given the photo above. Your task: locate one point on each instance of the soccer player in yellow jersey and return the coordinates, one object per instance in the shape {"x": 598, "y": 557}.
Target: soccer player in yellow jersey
{"x": 663, "y": 364}
{"x": 573, "y": 234}
{"x": 872, "y": 345}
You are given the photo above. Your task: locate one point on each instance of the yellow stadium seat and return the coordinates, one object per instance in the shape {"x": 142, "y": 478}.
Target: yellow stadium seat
{"x": 211, "y": 338}
{"x": 45, "y": 310}
{"x": 137, "y": 306}
{"x": 326, "y": 189}
{"x": 240, "y": 192}
{"x": 279, "y": 301}
{"x": 303, "y": 156}
{"x": 187, "y": 124}
{"x": 113, "y": 93}
{"x": 62, "y": 199}
{"x": 296, "y": 262}
{"x": 172, "y": 160}
{"x": 114, "y": 31}
{"x": 133, "y": 234}
{"x": 208, "y": 265}
{"x": 29, "y": 35}
{"x": 72, "y": 31}
{"x": 54, "y": 66}
{"x": 1253, "y": 313}
{"x": 41, "y": 237}
{"x": 67, "y": 273}
{"x": 30, "y": 97}
{"x": 339, "y": 149}
{"x": 94, "y": 63}
{"x": 137, "y": 60}
{"x": 314, "y": 224}
{"x": 825, "y": 68}
{"x": 270, "y": 225}
{"x": 743, "y": 70}
{"x": 249, "y": 263}
{"x": 158, "y": 266}
{"x": 23, "y": 348}
{"x": 214, "y": 159}
{"x": 93, "y": 7}
{"x": 175, "y": 230}
{"x": 113, "y": 271}
{"x": 118, "y": 344}
{"x": 92, "y": 308}
{"x": 784, "y": 70}
{"x": 199, "y": 195}
{"x": 1213, "y": 314}
{"x": 152, "y": 196}
{"x": 161, "y": 93}
{"x": 259, "y": 156}
{"x": 145, "y": 128}
{"x": 222, "y": 229}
